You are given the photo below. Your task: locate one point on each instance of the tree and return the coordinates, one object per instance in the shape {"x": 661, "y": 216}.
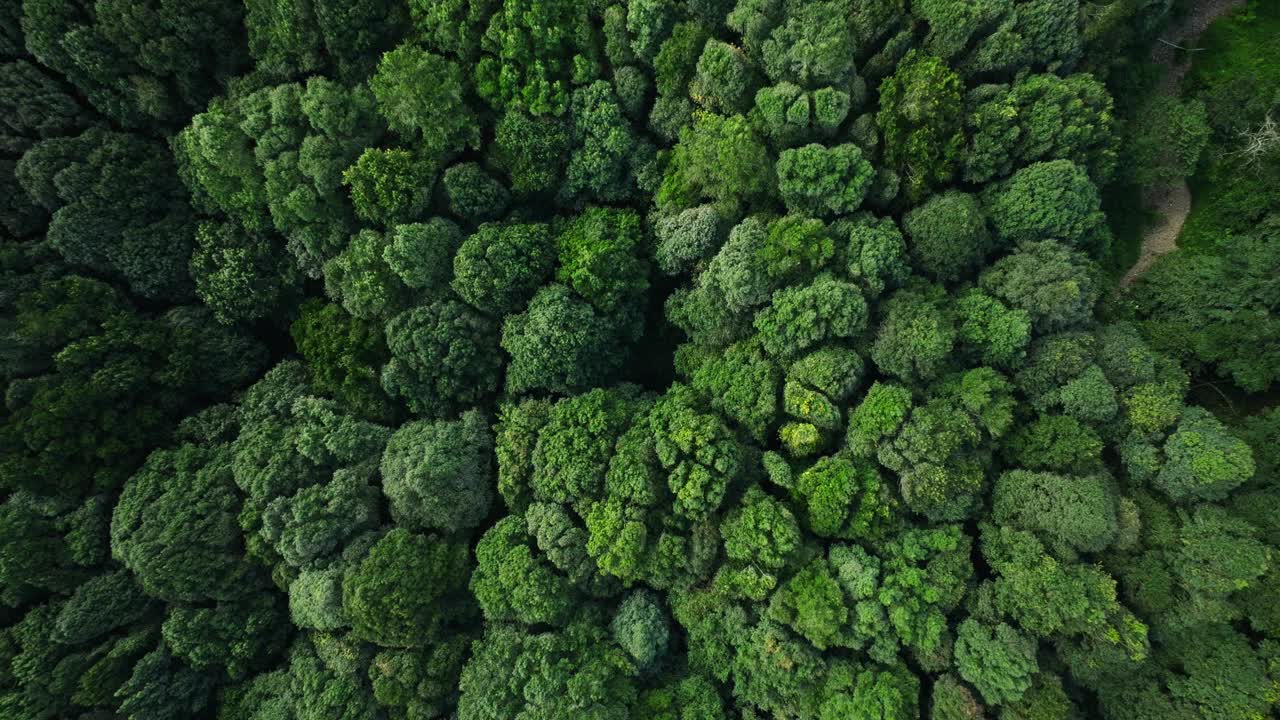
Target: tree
{"x": 293, "y": 40}
{"x": 920, "y": 118}
{"x": 407, "y": 589}
{"x": 532, "y": 50}
{"x": 182, "y": 550}
{"x": 512, "y": 583}
{"x": 360, "y": 279}
{"x": 1049, "y": 201}
{"x": 949, "y": 237}
{"x": 845, "y": 499}
{"x": 742, "y": 383}
{"x": 760, "y": 536}
{"x": 607, "y": 155}
{"x": 474, "y": 196}
{"x": 531, "y": 150}
{"x": 1072, "y": 514}
{"x": 641, "y": 628}
{"x": 118, "y": 209}
{"x": 993, "y": 332}
{"x": 444, "y": 357}
{"x": 420, "y": 94}
{"x": 573, "y": 671}
{"x": 802, "y": 317}
{"x": 454, "y": 27}
{"x": 998, "y": 660}
{"x": 87, "y": 416}
{"x": 699, "y": 454}
{"x": 686, "y": 240}
{"x": 421, "y": 254}
{"x": 724, "y": 79}
{"x": 719, "y": 159}
{"x": 812, "y": 603}
{"x": 244, "y": 157}
{"x": 1166, "y": 146}
{"x": 1041, "y": 118}
{"x": 437, "y": 475}
{"x": 1220, "y": 319}
{"x": 1203, "y": 460}
{"x": 561, "y": 343}
{"x": 139, "y": 64}
{"x": 876, "y": 255}
{"x": 500, "y": 266}
{"x": 389, "y": 187}
{"x": 915, "y": 339}
{"x": 419, "y": 682}
{"x": 162, "y": 688}
{"x": 823, "y": 181}
{"x": 234, "y": 638}
{"x": 342, "y": 353}
{"x": 316, "y": 521}
{"x": 811, "y": 50}
{"x": 600, "y": 258}
{"x": 240, "y": 274}
{"x": 1055, "y": 285}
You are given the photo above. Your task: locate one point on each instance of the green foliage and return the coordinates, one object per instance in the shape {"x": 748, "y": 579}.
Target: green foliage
{"x": 420, "y": 95}
{"x": 239, "y": 274}
{"x": 436, "y": 475}
{"x": 1049, "y": 201}
{"x": 823, "y": 181}
{"x": 1203, "y": 460}
{"x": 388, "y": 187}
{"x": 1069, "y": 513}
{"x": 743, "y": 385}
{"x": 360, "y": 279}
{"x": 916, "y": 336}
{"x": 342, "y": 354}
{"x": 607, "y": 158}
{"x": 1166, "y": 146}
{"x": 845, "y": 499}
{"x": 444, "y": 357}
{"x": 421, "y": 254}
{"x": 719, "y": 159}
{"x": 801, "y": 318}
{"x": 572, "y": 671}
{"x": 180, "y": 549}
{"x": 531, "y": 150}
{"x": 949, "y": 237}
{"x": 1056, "y": 286}
{"x": 866, "y": 445}
{"x": 877, "y": 255}
{"x": 1213, "y": 311}
{"x": 117, "y": 209}
{"x": 407, "y": 590}
{"x": 640, "y": 627}
{"x": 561, "y": 343}
{"x": 600, "y": 259}
{"x": 723, "y": 81}
{"x": 998, "y": 660}
{"x": 512, "y": 583}
{"x": 811, "y": 50}
{"x": 138, "y": 64}
{"x": 920, "y": 118}
{"x": 500, "y": 266}
{"x": 474, "y": 196}
{"x": 1041, "y": 118}
{"x": 532, "y": 49}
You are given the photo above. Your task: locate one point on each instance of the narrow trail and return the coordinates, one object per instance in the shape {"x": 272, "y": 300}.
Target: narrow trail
{"x": 1173, "y": 202}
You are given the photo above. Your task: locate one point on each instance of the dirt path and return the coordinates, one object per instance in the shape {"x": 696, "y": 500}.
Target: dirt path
{"x": 1173, "y": 202}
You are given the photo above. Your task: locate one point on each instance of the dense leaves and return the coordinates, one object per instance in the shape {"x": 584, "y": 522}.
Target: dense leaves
{"x": 654, "y": 359}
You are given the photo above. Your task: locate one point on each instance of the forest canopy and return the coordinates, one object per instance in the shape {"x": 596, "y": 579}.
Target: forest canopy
{"x": 653, "y": 359}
